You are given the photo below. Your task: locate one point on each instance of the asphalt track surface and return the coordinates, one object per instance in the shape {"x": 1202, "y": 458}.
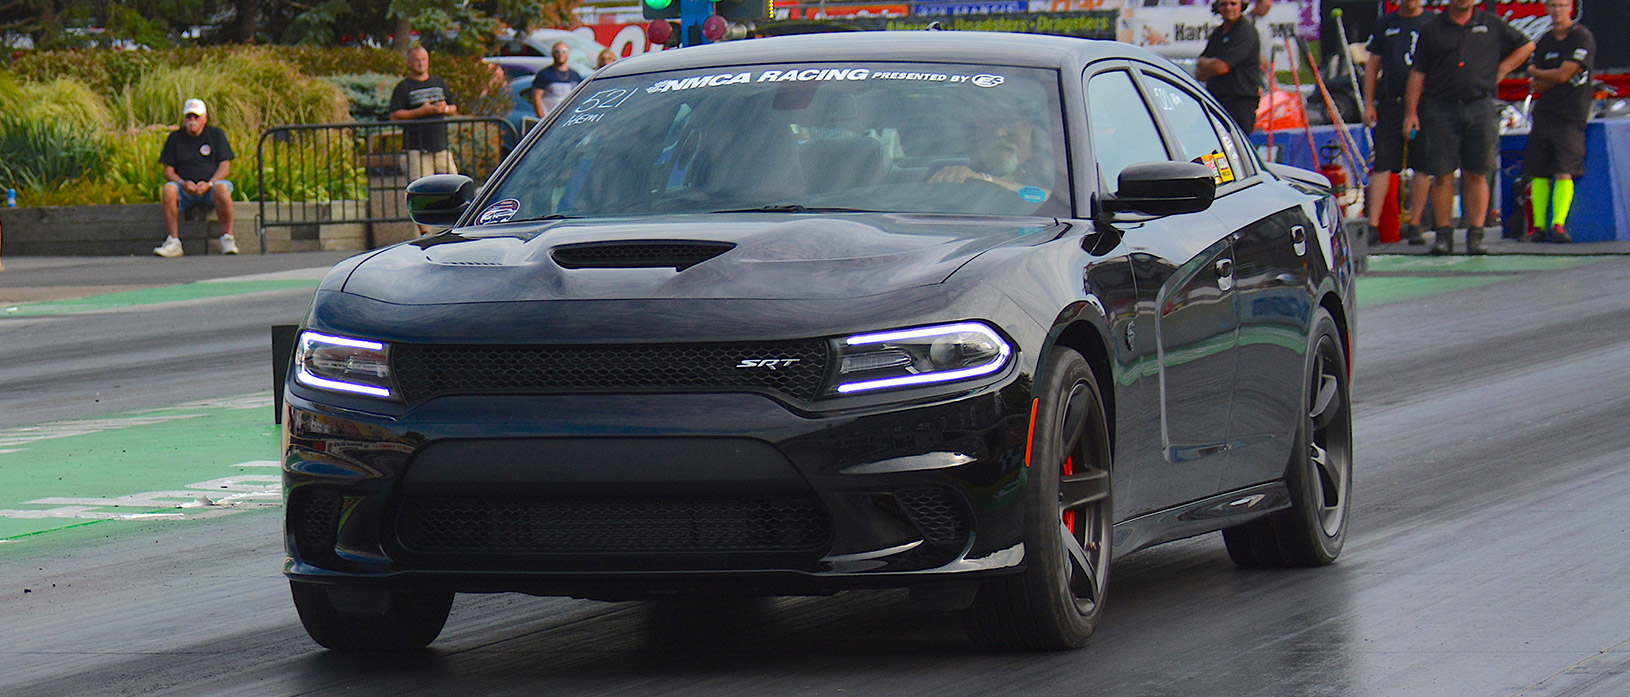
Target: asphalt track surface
{"x": 1488, "y": 552}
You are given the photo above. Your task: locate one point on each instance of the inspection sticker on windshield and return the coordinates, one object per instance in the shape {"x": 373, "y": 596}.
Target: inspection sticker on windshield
{"x": 1033, "y": 194}
{"x": 499, "y": 212}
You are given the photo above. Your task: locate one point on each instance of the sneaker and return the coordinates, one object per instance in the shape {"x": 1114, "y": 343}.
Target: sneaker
{"x": 1412, "y": 235}
{"x": 1559, "y": 235}
{"x": 170, "y": 248}
{"x": 228, "y": 245}
{"x": 1534, "y": 235}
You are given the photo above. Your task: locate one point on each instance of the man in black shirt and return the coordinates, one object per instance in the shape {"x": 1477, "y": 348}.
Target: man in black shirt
{"x": 1563, "y": 59}
{"x": 553, "y": 84}
{"x": 424, "y": 97}
{"x": 1386, "y": 75}
{"x": 1462, "y": 55}
{"x": 196, "y": 160}
{"x": 1231, "y": 64}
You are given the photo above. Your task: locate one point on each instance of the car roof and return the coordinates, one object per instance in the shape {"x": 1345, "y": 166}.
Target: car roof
{"x": 980, "y": 48}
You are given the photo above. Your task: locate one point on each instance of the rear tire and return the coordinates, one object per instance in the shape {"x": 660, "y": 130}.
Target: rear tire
{"x": 1320, "y": 475}
{"x": 410, "y": 620}
{"x": 1056, "y": 602}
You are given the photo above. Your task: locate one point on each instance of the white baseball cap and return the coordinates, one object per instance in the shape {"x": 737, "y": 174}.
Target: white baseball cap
{"x": 194, "y": 106}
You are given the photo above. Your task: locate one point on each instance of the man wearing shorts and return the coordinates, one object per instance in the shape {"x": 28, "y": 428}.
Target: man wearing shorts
{"x": 1386, "y": 76}
{"x": 196, "y": 159}
{"x": 1563, "y": 59}
{"x": 1462, "y": 55}
{"x": 424, "y": 98}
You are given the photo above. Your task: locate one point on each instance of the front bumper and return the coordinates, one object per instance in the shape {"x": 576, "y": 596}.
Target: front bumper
{"x": 616, "y": 496}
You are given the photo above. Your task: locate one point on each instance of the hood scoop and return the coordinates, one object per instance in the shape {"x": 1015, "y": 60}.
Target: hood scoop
{"x": 638, "y": 254}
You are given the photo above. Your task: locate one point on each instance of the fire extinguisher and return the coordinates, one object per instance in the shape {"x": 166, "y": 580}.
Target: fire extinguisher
{"x": 1331, "y": 169}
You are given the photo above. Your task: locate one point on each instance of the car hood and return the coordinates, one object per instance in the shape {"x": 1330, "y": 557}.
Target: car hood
{"x": 759, "y": 256}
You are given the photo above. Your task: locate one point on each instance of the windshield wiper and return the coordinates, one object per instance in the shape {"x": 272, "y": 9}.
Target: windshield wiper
{"x": 551, "y": 216}
{"x": 795, "y": 208}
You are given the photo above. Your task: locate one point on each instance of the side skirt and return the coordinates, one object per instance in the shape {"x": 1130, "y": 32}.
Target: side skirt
{"x": 1199, "y": 517}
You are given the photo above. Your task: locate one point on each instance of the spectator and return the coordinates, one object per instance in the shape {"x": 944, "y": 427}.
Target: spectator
{"x": 1231, "y": 64}
{"x": 1386, "y": 77}
{"x": 551, "y": 85}
{"x": 606, "y": 57}
{"x": 1563, "y": 60}
{"x": 1264, "y": 32}
{"x": 1462, "y": 55}
{"x": 197, "y": 159}
{"x": 424, "y": 97}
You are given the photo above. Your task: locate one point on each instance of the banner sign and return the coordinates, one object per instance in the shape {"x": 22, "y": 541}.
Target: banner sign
{"x": 936, "y": 8}
{"x": 1181, "y": 32}
{"x": 1528, "y": 16}
{"x": 1087, "y": 25}
{"x": 840, "y": 12}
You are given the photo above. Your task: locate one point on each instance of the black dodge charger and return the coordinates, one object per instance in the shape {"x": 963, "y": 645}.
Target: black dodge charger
{"x": 969, "y": 314}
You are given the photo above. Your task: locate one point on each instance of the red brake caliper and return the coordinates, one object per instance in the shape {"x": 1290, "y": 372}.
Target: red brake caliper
{"x": 1069, "y": 515}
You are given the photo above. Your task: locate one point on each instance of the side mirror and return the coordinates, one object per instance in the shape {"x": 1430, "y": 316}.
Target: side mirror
{"x": 439, "y": 199}
{"x": 1162, "y": 188}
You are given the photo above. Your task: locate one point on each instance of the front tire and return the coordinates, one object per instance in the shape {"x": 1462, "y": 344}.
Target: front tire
{"x": 409, "y": 620}
{"x": 1312, "y": 531}
{"x": 1056, "y": 602}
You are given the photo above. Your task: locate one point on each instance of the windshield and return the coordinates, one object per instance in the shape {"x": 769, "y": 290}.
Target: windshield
{"x": 917, "y": 138}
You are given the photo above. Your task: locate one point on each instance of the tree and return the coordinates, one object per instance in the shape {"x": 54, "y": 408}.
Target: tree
{"x": 466, "y": 27}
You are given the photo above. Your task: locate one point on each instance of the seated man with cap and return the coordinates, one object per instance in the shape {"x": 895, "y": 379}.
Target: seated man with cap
{"x": 197, "y": 159}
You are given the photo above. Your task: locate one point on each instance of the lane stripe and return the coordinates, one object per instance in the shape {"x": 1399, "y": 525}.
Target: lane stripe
{"x": 196, "y": 460}
{"x": 199, "y": 290}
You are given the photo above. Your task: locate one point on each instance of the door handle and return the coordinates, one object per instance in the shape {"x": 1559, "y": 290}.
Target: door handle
{"x": 1225, "y": 274}
{"x": 1298, "y": 240}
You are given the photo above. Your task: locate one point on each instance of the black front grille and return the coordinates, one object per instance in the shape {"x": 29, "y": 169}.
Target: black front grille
{"x": 935, "y": 512}
{"x": 588, "y": 526}
{"x": 314, "y": 518}
{"x": 638, "y": 254}
{"x": 428, "y": 370}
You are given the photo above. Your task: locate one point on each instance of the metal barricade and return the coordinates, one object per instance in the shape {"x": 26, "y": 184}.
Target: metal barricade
{"x": 351, "y": 178}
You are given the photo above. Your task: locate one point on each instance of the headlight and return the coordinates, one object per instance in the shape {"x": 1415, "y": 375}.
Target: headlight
{"x": 921, "y": 356}
{"x": 343, "y": 364}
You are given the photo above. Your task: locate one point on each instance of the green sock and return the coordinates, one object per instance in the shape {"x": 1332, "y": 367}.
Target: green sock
{"x": 1539, "y": 194}
{"x": 1562, "y": 202}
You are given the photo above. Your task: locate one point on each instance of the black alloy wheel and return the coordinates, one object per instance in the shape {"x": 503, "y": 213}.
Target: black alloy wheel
{"x": 1320, "y": 475}
{"x": 1055, "y": 603}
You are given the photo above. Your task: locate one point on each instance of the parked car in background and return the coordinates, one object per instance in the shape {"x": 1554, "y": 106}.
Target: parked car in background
{"x": 529, "y": 55}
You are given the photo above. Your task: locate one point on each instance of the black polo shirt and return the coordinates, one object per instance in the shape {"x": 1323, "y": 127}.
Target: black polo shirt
{"x": 1240, "y": 48}
{"x": 1461, "y": 62}
{"x": 1571, "y": 101}
{"x": 195, "y": 158}
{"x": 1393, "y": 40}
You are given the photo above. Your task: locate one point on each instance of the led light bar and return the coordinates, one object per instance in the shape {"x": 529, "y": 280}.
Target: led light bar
{"x": 894, "y": 340}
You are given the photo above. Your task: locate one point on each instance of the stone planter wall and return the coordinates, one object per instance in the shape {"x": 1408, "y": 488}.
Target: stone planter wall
{"x": 135, "y": 229}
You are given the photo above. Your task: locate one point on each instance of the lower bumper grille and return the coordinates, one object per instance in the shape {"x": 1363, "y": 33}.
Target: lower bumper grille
{"x": 936, "y": 513}
{"x": 314, "y": 519}
{"x": 668, "y": 525}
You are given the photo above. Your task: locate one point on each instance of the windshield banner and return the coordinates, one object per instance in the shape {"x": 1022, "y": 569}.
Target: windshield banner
{"x": 1087, "y": 25}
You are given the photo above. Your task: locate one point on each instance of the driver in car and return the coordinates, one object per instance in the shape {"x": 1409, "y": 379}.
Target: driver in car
{"x": 1001, "y": 154}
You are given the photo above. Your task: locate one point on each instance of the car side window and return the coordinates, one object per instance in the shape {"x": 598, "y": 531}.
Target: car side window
{"x": 1237, "y": 150}
{"x": 1123, "y": 131}
{"x": 1197, "y": 137}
